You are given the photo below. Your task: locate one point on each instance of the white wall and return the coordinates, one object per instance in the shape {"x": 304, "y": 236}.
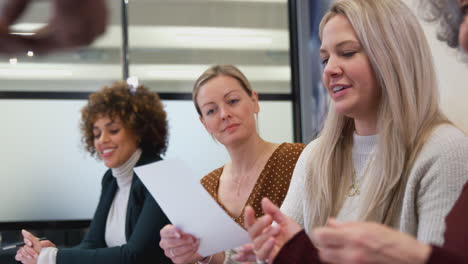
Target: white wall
{"x": 452, "y": 75}
{"x": 47, "y": 175}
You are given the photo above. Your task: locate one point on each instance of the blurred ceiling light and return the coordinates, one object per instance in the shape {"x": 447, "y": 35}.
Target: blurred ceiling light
{"x": 27, "y": 27}
{"x": 192, "y": 72}
{"x": 30, "y": 53}
{"x": 153, "y": 72}
{"x": 185, "y": 37}
{"x": 23, "y": 33}
{"x": 13, "y": 60}
{"x": 174, "y": 37}
{"x": 43, "y": 74}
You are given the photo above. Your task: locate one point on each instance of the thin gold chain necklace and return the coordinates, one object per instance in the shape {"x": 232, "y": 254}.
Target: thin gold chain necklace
{"x": 354, "y": 189}
{"x": 257, "y": 171}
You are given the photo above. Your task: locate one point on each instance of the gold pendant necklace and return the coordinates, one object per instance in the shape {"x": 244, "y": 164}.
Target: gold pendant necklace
{"x": 354, "y": 188}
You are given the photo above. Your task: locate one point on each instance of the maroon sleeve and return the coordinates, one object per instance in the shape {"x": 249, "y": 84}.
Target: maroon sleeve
{"x": 442, "y": 255}
{"x": 298, "y": 250}
{"x": 456, "y": 234}
{"x": 455, "y": 248}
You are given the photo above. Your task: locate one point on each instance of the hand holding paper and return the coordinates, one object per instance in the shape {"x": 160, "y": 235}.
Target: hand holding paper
{"x": 190, "y": 208}
{"x": 180, "y": 247}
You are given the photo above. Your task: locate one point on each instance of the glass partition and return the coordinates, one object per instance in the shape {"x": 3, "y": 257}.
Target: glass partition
{"x": 173, "y": 42}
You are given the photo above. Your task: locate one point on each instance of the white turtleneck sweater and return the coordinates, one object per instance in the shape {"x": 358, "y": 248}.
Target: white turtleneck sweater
{"x": 115, "y": 225}
{"x": 363, "y": 152}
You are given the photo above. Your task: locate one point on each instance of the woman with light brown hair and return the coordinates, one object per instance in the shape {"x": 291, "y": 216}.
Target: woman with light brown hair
{"x": 387, "y": 154}
{"x": 227, "y": 107}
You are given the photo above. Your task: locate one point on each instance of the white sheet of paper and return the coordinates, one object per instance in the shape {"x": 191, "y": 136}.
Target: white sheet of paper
{"x": 189, "y": 206}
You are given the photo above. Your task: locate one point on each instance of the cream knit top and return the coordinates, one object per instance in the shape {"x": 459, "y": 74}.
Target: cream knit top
{"x": 434, "y": 184}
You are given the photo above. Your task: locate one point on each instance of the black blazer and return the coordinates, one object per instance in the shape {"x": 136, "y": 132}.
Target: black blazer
{"x": 144, "y": 220}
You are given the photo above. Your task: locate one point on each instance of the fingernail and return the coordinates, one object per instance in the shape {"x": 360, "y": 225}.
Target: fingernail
{"x": 270, "y": 241}
{"x": 177, "y": 235}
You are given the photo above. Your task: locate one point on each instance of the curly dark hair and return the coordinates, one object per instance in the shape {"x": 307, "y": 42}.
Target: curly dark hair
{"x": 447, "y": 15}
{"x": 142, "y": 112}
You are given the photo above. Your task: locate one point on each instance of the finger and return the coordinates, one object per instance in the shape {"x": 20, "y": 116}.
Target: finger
{"x": 30, "y": 251}
{"x": 182, "y": 250}
{"x": 26, "y": 234}
{"x": 249, "y": 216}
{"x": 332, "y": 222}
{"x": 188, "y": 257}
{"x": 329, "y": 237}
{"x": 244, "y": 257}
{"x": 245, "y": 248}
{"x": 265, "y": 251}
{"x": 244, "y": 253}
{"x": 177, "y": 242}
{"x": 24, "y": 253}
{"x": 30, "y": 239}
{"x": 269, "y": 232}
{"x": 273, "y": 210}
{"x": 170, "y": 231}
{"x": 333, "y": 255}
{"x": 260, "y": 225}
{"x": 18, "y": 256}
{"x": 27, "y": 242}
{"x": 47, "y": 243}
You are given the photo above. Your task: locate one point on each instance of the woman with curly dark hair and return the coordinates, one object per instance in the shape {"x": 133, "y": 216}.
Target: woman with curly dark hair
{"x": 124, "y": 127}
{"x": 452, "y": 20}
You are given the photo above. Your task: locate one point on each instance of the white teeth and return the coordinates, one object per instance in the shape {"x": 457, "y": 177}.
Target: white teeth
{"x": 337, "y": 88}
{"x": 107, "y": 151}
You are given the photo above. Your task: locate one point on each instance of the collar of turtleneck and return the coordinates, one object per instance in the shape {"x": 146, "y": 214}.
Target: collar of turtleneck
{"x": 364, "y": 144}
{"x": 124, "y": 173}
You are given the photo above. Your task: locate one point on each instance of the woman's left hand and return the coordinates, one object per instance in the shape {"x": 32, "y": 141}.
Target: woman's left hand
{"x": 371, "y": 243}
{"x": 268, "y": 239}
{"x": 28, "y": 253}
{"x": 245, "y": 253}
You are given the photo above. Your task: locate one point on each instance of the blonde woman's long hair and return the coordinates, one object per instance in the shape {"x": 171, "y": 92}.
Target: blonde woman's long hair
{"x": 409, "y": 109}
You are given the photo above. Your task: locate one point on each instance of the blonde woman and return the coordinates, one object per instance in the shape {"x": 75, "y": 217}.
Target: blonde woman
{"x": 359, "y": 238}
{"x": 386, "y": 154}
